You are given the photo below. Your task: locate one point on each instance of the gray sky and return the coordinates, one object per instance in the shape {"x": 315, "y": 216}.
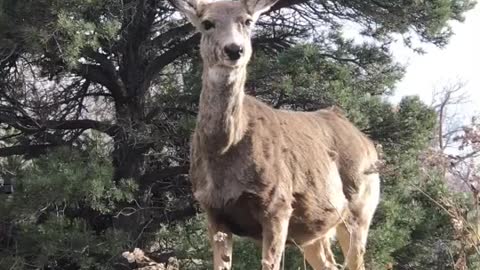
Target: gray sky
{"x": 459, "y": 60}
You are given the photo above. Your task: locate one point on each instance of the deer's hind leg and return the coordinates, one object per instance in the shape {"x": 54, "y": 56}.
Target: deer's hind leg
{"x": 319, "y": 255}
{"x": 353, "y": 238}
{"x": 352, "y": 234}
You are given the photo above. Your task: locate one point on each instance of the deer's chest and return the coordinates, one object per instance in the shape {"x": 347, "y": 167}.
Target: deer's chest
{"x": 242, "y": 217}
{"x": 220, "y": 180}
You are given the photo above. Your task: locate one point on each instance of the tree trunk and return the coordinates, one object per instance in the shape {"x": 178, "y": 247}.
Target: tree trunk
{"x": 128, "y": 146}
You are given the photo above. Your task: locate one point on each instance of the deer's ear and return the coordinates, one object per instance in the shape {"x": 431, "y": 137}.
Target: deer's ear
{"x": 190, "y": 8}
{"x": 256, "y": 7}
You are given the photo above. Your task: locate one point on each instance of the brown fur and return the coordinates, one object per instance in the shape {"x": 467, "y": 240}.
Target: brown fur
{"x": 273, "y": 175}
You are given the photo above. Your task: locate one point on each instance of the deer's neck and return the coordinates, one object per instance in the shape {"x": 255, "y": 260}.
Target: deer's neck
{"x": 221, "y": 118}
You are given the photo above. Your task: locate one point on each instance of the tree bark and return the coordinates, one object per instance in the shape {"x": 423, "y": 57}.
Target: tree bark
{"x": 128, "y": 147}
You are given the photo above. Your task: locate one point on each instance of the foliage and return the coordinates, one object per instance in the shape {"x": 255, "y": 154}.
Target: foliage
{"x": 49, "y": 219}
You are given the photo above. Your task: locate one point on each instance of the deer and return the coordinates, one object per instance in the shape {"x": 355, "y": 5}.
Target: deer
{"x": 276, "y": 176}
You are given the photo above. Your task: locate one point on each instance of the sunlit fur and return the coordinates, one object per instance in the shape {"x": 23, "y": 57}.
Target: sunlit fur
{"x": 273, "y": 175}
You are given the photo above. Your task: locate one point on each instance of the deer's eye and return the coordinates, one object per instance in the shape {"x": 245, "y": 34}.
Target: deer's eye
{"x": 207, "y": 25}
{"x": 248, "y": 22}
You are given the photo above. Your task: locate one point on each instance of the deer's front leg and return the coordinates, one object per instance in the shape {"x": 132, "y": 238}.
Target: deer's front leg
{"x": 275, "y": 230}
{"x": 222, "y": 243}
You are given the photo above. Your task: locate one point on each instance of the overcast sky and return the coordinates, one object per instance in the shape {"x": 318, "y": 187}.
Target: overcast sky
{"x": 459, "y": 60}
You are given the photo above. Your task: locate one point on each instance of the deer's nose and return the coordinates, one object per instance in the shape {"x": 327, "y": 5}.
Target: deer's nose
{"x": 233, "y": 51}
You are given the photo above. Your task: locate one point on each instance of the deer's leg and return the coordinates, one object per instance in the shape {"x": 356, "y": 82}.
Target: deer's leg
{"x": 353, "y": 235}
{"x": 319, "y": 255}
{"x": 275, "y": 230}
{"x": 222, "y": 242}
{"x": 357, "y": 244}
{"x": 343, "y": 237}
{"x": 328, "y": 253}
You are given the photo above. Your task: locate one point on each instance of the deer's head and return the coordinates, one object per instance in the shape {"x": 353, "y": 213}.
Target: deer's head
{"x": 226, "y": 27}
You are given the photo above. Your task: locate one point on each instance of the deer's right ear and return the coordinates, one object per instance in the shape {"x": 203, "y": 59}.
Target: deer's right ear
{"x": 190, "y": 8}
{"x": 257, "y": 7}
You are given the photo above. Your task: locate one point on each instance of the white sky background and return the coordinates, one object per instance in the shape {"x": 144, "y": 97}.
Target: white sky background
{"x": 459, "y": 60}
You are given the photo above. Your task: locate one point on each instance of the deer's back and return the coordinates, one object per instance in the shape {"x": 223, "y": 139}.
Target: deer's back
{"x": 296, "y": 156}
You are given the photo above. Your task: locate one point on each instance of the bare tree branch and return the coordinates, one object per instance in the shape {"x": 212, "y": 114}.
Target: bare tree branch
{"x": 25, "y": 149}
{"x": 29, "y": 125}
{"x": 171, "y": 55}
{"x": 98, "y": 75}
{"x": 150, "y": 177}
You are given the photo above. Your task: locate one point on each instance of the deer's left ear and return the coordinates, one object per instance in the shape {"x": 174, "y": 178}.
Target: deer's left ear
{"x": 256, "y": 7}
{"x": 190, "y": 8}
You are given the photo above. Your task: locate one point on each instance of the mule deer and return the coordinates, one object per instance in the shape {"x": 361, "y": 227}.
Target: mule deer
{"x": 272, "y": 175}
